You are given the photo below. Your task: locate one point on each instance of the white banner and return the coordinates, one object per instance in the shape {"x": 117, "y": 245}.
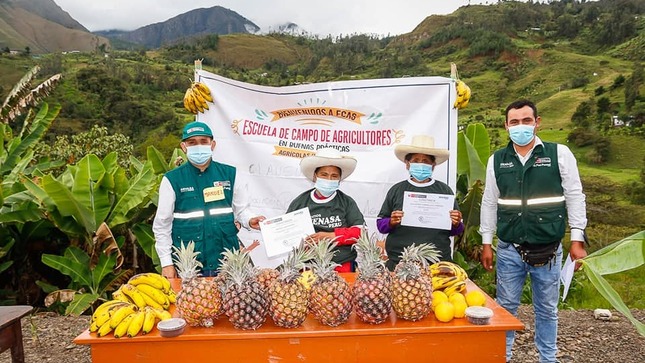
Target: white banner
{"x": 265, "y": 131}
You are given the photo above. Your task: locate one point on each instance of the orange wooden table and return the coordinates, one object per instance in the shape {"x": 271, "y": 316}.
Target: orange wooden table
{"x": 395, "y": 340}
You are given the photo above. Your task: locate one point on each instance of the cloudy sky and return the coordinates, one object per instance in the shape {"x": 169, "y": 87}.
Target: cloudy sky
{"x": 325, "y": 17}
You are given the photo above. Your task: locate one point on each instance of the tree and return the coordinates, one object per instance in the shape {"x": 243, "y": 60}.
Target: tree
{"x": 582, "y": 116}
{"x": 603, "y": 105}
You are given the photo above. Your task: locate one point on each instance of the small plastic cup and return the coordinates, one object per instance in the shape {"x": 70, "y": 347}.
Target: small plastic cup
{"x": 171, "y": 327}
{"x": 479, "y": 315}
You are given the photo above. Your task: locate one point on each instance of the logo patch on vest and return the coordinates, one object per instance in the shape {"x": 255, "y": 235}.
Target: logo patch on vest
{"x": 186, "y": 189}
{"x": 542, "y": 162}
{"x": 226, "y": 184}
{"x": 506, "y": 165}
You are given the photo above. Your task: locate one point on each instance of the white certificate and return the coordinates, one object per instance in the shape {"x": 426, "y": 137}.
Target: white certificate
{"x": 281, "y": 234}
{"x": 427, "y": 210}
{"x": 254, "y": 245}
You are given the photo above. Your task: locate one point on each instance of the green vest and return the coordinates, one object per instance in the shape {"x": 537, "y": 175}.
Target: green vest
{"x": 531, "y": 206}
{"x": 211, "y": 224}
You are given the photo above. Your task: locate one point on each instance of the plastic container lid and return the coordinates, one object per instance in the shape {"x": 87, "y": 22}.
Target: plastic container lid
{"x": 171, "y": 327}
{"x": 479, "y": 315}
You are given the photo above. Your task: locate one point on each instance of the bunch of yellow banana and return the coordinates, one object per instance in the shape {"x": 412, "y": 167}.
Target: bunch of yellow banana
{"x": 147, "y": 289}
{"x": 197, "y": 97}
{"x": 463, "y": 91}
{"x": 447, "y": 269}
{"x": 448, "y": 277}
{"x": 463, "y": 94}
{"x": 121, "y": 318}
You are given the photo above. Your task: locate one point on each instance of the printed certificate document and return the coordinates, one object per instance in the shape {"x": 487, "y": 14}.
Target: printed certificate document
{"x": 427, "y": 210}
{"x": 282, "y": 233}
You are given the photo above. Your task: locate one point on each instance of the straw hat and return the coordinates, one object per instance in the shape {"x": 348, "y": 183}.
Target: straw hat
{"x": 326, "y": 157}
{"x": 422, "y": 144}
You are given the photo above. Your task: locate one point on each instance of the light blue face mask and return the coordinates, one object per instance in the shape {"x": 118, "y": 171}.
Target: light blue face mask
{"x": 420, "y": 171}
{"x": 326, "y": 187}
{"x": 522, "y": 135}
{"x": 199, "y": 154}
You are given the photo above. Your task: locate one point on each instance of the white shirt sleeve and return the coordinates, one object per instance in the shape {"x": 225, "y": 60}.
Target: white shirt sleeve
{"x": 162, "y": 225}
{"x": 573, "y": 195}
{"x": 488, "y": 210}
{"x": 241, "y": 201}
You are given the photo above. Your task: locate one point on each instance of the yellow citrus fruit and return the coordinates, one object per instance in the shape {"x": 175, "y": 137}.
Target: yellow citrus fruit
{"x": 460, "y": 308}
{"x": 444, "y": 312}
{"x": 457, "y": 296}
{"x": 475, "y": 298}
{"x": 438, "y": 297}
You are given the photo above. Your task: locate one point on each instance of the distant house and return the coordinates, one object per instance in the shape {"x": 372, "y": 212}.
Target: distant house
{"x": 616, "y": 122}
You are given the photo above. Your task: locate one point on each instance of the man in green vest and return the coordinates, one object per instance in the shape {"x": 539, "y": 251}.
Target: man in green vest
{"x": 533, "y": 189}
{"x": 200, "y": 201}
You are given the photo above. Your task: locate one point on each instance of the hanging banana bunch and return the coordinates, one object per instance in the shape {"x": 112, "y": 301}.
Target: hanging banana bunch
{"x": 463, "y": 91}
{"x": 197, "y": 97}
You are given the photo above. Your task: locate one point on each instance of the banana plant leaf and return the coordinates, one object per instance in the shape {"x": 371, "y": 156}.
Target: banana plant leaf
{"x": 68, "y": 204}
{"x": 135, "y": 196}
{"x": 87, "y": 189}
{"x": 615, "y": 258}
{"x": 80, "y": 303}
{"x": 21, "y": 216}
{"x": 80, "y": 273}
{"x": 146, "y": 239}
{"x": 135, "y": 165}
{"x": 104, "y": 267}
{"x": 40, "y": 125}
{"x": 623, "y": 255}
{"x": 471, "y": 205}
{"x": 155, "y": 157}
{"x": 121, "y": 183}
{"x": 110, "y": 165}
{"x": 468, "y": 161}
{"x": 478, "y": 136}
{"x": 67, "y": 224}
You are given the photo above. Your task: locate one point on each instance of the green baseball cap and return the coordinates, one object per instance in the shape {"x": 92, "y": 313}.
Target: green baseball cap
{"x": 196, "y": 128}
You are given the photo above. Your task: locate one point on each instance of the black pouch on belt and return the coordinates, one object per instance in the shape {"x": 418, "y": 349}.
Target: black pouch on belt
{"x": 537, "y": 254}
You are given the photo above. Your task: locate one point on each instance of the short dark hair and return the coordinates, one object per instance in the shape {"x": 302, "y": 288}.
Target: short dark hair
{"x": 519, "y": 104}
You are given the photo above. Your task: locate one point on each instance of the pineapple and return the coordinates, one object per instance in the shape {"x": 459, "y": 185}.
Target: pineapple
{"x": 245, "y": 301}
{"x": 199, "y": 302}
{"x": 411, "y": 287}
{"x": 266, "y": 276}
{"x": 331, "y": 296}
{"x": 372, "y": 295}
{"x": 288, "y": 296}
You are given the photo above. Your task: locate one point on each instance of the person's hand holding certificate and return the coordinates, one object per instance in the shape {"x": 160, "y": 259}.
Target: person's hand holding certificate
{"x": 427, "y": 210}
{"x": 281, "y": 234}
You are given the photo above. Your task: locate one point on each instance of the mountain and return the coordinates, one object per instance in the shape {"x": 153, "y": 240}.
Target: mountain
{"x": 44, "y": 27}
{"x": 215, "y": 20}
{"x": 286, "y": 28}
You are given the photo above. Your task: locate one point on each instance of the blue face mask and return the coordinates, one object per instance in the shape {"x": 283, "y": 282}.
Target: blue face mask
{"x": 522, "y": 135}
{"x": 420, "y": 171}
{"x": 199, "y": 154}
{"x": 326, "y": 187}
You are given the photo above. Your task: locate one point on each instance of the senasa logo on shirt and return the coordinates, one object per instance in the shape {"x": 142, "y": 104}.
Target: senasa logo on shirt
{"x": 186, "y": 189}
{"x": 506, "y": 165}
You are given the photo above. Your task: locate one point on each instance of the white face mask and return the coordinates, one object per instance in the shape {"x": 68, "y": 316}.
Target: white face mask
{"x": 199, "y": 154}
{"x": 326, "y": 187}
{"x": 522, "y": 135}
